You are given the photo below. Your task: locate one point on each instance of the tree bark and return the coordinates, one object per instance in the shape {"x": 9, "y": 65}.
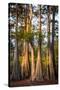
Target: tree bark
{"x": 32, "y": 63}
{"x": 16, "y": 68}
{"x": 25, "y": 63}
{"x": 39, "y": 75}
{"x": 52, "y": 45}
{"x": 51, "y": 68}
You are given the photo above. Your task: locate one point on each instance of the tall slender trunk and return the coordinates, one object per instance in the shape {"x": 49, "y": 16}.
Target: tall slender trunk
{"x": 31, "y": 47}
{"x": 39, "y": 75}
{"x": 25, "y": 62}
{"x": 51, "y": 68}
{"x": 16, "y": 70}
{"x": 52, "y": 44}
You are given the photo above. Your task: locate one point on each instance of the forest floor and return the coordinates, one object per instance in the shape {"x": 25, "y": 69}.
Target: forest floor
{"x": 32, "y": 83}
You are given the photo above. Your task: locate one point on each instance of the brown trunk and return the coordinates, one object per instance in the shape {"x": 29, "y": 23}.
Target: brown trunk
{"x": 52, "y": 45}
{"x": 52, "y": 75}
{"x": 47, "y": 65}
{"x": 31, "y": 47}
{"x": 30, "y": 18}
{"x": 16, "y": 70}
{"x": 39, "y": 75}
{"x": 51, "y": 68}
{"x": 25, "y": 62}
{"x": 32, "y": 63}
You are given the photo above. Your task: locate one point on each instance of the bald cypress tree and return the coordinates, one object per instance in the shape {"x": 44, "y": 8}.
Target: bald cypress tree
{"x": 39, "y": 75}
{"x": 16, "y": 68}
{"x": 51, "y": 67}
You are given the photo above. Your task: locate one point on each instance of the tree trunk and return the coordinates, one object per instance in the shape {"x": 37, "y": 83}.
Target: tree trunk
{"x": 16, "y": 68}
{"x": 39, "y": 75}
{"x": 46, "y": 75}
{"x": 32, "y": 63}
{"x": 51, "y": 68}
{"x": 25, "y": 63}
{"x": 52, "y": 45}
{"x": 47, "y": 65}
{"x": 52, "y": 75}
